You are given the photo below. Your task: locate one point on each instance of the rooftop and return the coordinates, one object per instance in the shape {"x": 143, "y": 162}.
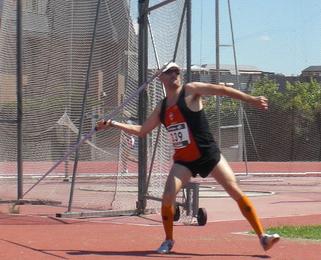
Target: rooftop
{"x": 228, "y": 67}
{"x": 313, "y": 68}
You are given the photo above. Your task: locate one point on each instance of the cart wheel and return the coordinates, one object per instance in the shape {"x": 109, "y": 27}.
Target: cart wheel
{"x": 201, "y": 217}
{"x": 177, "y": 213}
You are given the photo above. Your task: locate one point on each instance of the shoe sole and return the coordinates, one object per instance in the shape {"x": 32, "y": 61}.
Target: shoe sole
{"x": 273, "y": 242}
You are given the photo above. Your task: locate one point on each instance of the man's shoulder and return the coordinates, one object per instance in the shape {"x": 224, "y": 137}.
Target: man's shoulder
{"x": 190, "y": 85}
{"x": 193, "y": 85}
{"x": 191, "y": 88}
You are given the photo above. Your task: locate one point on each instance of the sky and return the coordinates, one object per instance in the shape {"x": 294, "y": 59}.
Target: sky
{"x": 281, "y": 36}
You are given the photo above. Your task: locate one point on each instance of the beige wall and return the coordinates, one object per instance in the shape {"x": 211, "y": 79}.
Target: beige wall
{"x": 8, "y": 87}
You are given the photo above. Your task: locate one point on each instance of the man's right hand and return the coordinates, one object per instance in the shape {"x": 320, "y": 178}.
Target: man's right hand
{"x": 102, "y": 124}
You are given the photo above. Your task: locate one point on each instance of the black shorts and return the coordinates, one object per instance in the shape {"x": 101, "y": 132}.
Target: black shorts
{"x": 202, "y": 166}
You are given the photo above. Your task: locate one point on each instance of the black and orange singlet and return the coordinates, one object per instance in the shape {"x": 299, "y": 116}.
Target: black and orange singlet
{"x": 189, "y": 131}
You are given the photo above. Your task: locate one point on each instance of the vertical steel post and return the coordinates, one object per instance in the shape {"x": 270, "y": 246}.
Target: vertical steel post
{"x": 19, "y": 101}
{"x": 83, "y": 109}
{"x": 188, "y": 39}
{"x": 142, "y": 102}
{"x": 217, "y": 39}
{"x": 218, "y": 76}
{"x": 241, "y": 131}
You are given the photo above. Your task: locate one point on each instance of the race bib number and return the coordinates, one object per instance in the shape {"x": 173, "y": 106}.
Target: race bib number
{"x": 179, "y": 135}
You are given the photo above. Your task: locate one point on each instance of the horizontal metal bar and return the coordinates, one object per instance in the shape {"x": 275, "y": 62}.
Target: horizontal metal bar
{"x": 31, "y": 202}
{"x": 97, "y": 214}
{"x": 159, "y": 5}
{"x": 9, "y": 121}
{"x": 230, "y": 126}
{"x": 100, "y": 214}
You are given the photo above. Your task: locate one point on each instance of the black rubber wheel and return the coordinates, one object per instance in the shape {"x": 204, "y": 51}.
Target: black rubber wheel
{"x": 201, "y": 217}
{"x": 177, "y": 213}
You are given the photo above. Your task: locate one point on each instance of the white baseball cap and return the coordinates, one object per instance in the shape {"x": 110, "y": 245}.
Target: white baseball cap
{"x": 170, "y": 65}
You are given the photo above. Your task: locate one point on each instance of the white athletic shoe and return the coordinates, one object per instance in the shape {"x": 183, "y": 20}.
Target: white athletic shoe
{"x": 267, "y": 241}
{"x": 166, "y": 247}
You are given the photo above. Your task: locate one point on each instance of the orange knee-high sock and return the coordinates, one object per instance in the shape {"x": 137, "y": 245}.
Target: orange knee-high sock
{"x": 168, "y": 219}
{"x": 249, "y": 213}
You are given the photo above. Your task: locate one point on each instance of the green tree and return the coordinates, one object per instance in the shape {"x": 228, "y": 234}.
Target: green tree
{"x": 228, "y": 109}
{"x": 268, "y": 88}
{"x": 300, "y": 100}
{"x": 303, "y": 98}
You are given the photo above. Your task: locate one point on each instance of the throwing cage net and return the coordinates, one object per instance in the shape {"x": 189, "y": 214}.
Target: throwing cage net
{"x": 80, "y": 63}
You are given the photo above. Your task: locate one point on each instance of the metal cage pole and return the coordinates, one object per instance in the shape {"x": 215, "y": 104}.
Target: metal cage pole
{"x": 83, "y": 106}
{"x": 188, "y": 39}
{"x": 19, "y": 102}
{"x": 142, "y": 101}
{"x": 159, "y": 128}
{"x": 218, "y": 73}
{"x": 179, "y": 32}
{"x": 241, "y": 134}
{"x": 187, "y": 10}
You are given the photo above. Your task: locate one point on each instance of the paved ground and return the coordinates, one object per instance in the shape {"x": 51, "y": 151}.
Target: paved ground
{"x": 279, "y": 200}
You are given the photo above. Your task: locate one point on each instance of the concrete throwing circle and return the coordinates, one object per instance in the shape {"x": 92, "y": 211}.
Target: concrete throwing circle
{"x": 210, "y": 192}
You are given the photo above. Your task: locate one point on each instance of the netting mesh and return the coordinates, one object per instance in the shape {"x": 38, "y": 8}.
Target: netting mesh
{"x": 283, "y": 139}
{"x": 82, "y": 55}
{"x": 163, "y": 45}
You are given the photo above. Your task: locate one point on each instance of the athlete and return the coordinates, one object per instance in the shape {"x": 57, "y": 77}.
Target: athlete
{"x": 195, "y": 151}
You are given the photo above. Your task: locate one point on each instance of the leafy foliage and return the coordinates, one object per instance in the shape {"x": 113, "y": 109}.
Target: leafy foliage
{"x": 300, "y": 96}
{"x": 268, "y": 88}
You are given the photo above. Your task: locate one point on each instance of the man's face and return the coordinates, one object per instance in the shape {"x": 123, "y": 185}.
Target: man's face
{"x": 171, "y": 77}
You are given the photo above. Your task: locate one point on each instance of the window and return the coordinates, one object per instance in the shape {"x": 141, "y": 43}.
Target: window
{"x": 35, "y": 6}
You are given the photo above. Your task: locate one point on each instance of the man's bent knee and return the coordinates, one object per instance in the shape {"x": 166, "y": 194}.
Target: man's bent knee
{"x": 168, "y": 199}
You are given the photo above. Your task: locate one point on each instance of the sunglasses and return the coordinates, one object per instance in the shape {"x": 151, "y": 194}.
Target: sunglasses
{"x": 176, "y": 70}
